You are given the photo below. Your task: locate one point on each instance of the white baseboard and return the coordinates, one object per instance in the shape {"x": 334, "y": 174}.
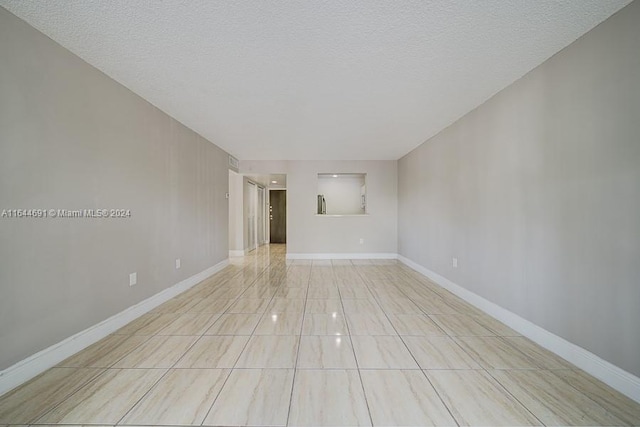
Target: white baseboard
{"x": 236, "y": 253}
{"x": 621, "y": 380}
{"x": 377, "y": 255}
{"x": 35, "y": 364}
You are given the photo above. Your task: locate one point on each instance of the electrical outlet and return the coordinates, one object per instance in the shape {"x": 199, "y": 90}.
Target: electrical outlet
{"x": 178, "y": 263}
{"x": 454, "y": 262}
{"x": 362, "y": 241}
{"x": 133, "y": 279}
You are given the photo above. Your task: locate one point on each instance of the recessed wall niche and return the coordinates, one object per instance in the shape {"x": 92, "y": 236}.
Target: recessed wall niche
{"x": 342, "y": 194}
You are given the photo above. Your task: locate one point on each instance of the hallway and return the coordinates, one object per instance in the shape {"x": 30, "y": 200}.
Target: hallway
{"x": 269, "y": 342}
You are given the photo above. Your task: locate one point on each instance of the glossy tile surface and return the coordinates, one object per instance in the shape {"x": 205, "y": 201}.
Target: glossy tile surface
{"x": 476, "y": 399}
{"x": 271, "y": 342}
{"x": 404, "y": 398}
{"x": 326, "y": 352}
{"x": 382, "y": 352}
{"x": 253, "y": 397}
{"x": 105, "y": 400}
{"x": 270, "y": 351}
{"x": 214, "y": 352}
{"x": 31, "y": 400}
{"x": 182, "y": 396}
{"x": 328, "y": 398}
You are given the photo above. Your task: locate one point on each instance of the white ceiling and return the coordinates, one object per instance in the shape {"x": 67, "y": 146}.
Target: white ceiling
{"x": 283, "y": 79}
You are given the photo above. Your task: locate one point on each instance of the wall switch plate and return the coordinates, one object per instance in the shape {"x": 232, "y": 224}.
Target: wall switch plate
{"x": 178, "y": 263}
{"x": 133, "y": 279}
{"x": 454, "y": 262}
{"x": 362, "y": 241}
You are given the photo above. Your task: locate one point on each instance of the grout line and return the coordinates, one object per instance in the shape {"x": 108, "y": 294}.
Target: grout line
{"x": 245, "y": 345}
{"x": 453, "y": 339}
{"x": 295, "y": 364}
{"x": 353, "y": 349}
{"x": 413, "y": 357}
{"x": 153, "y": 386}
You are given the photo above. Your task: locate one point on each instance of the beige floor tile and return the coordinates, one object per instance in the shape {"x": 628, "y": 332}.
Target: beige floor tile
{"x": 105, "y": 400}
{"x": 411, "y": 324}
{"x": 324, "y": 324}
{"x": 328, "y": 398}
{"x": 539, "y": 355}
{"x": 286, "y": 305}
{"x": 162, "y": 321}
{"x": 323, "y": 306}
{"x": 391, "y": 293}
{"x": 214, "y": 352}
{"x": 460, "y": 325}
{"x": 476, "y": 399}
{"x": 349, "y": 291}
{"x": 253, "y": 397}
{"x": 323, "y": 292}
{"x": 434, "y": 305}
{"x": 157, "y": 352}
{"x": 495, "y": 326}
{"x": 382, "y": 352}
{"x": 293, "y": 293}
{"x": 183, "y": 396}
{"x": 326, "y": 352}
{"x": 495, "y": 353}
{"x": 280, "y": 324}
{"x": 616, "y": 403}
{"x": 141, "y": 322}
{"x": 439, "y": 353}
{"x": 190, "y": 324}
{"x": 369, "y": 324}
{"x": 270, "y": 351}
{"x": 211, "y": 305}
{"x": 62, "y": 425}
{"x": 361, "y": 306}
{"x": 398, "y": 306}
{"x": 258, "y": 292}
{"x": 234, "y": 324}
{"x": 34, "y": 398}
{"x": 554, "y": 401}
{"x": 179, "y": 304}
{"x": 227, "y": 293}
{"x": 459, "y": 304}
{"x": 249, "y": 305}
{"x": 105, "y": 352}
{"x": 403, "y": 398}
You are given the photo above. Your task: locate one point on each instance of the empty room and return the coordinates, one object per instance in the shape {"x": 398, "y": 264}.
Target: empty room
{"x": 320, "y": 213}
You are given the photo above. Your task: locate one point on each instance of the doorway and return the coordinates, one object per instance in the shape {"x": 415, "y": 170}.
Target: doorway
{"x": 278, "y": 216}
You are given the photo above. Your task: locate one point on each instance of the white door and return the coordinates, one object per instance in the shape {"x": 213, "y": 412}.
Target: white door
{"x": 251, "y": 226}
{"x": 261, "y": 216}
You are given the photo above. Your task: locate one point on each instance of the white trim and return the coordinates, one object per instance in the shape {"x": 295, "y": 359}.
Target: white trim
{"x": 236, "y": 253}
{"x": 377, "y": 255}
{"x": 37, "y": 363}
{"x": 621, "y": 380}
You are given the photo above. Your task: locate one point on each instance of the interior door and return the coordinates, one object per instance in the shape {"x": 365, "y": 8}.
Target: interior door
{"x": 278, "y": 216}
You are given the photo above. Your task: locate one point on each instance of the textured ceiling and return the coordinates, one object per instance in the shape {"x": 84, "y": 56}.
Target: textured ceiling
{"x": 357, "y": 79}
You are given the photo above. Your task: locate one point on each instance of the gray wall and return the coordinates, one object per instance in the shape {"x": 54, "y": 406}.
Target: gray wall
{"x": 71, "y": 138}
{"x": 537, "y": 193}
{"x": 308, "y": 233}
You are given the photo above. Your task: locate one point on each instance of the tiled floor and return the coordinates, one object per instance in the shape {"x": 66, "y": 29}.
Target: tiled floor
{"x": 322, "y": 343}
